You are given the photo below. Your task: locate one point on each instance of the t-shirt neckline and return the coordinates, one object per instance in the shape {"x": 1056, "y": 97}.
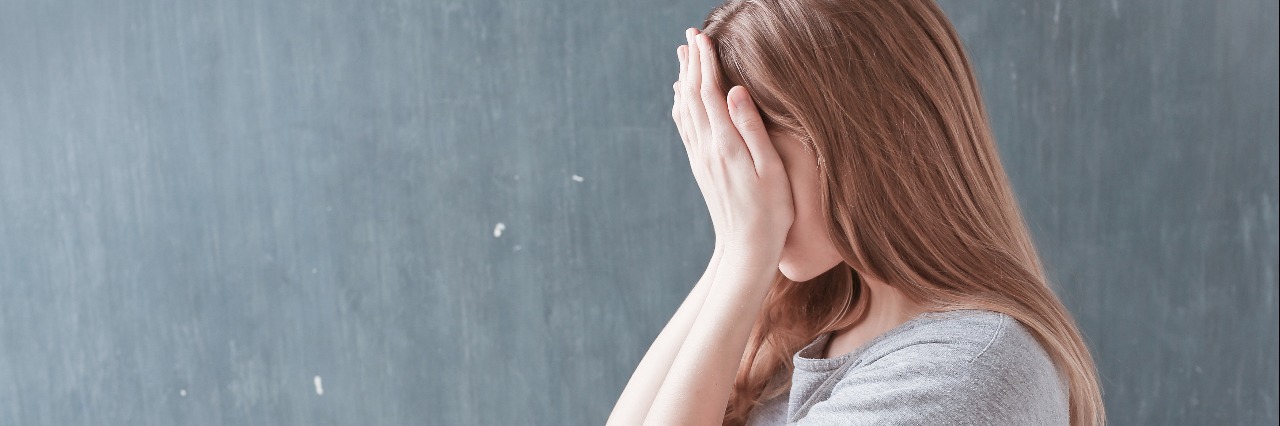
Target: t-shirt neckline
{"x": 808, "y": 358}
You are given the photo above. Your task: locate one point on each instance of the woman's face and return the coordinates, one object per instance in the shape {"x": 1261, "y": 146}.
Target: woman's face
{"x": 808, "y": 251}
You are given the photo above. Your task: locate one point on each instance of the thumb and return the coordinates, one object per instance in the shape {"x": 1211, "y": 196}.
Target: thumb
{"x": 746, "y": 118}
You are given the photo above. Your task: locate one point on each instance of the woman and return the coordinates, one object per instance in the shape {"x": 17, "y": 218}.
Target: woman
{"x": 871, "y": 265}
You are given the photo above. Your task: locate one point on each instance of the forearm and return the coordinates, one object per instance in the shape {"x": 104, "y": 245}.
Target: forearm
{"x": 748, "y": 193}
{"x": 697, "y": 387}
{"x": 637, "y": 397}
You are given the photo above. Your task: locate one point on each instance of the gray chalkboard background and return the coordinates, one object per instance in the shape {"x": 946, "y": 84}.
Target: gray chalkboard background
{"x": 479, "y": 212}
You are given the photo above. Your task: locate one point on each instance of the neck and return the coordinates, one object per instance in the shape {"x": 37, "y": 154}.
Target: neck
{"x": 887, "y": 307}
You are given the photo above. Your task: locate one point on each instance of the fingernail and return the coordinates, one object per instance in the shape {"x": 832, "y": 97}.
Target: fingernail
{"x": 739, "y": 97}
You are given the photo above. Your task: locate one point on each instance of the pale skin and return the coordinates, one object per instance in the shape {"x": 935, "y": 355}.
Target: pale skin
{"x": 761, "y": 191}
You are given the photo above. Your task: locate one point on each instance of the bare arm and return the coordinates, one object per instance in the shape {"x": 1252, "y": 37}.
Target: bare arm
{"x": 697, "y": 387}
{"x": 638, "y": 396}
{"x": 749, "y": 183}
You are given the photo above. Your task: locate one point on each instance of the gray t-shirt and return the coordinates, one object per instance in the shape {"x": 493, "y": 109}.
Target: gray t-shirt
{"x": 965, "y": 367}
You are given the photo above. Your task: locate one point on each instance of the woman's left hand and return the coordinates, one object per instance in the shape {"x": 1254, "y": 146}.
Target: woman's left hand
{"x": 730, "y": 151}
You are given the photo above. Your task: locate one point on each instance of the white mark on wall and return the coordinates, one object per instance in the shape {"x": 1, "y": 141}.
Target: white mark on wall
{"x": 497, "y": 229}
{"x": 182, "y": 393}
{"x": 517, "y": 248}
{"x": 577, "y": 178}
{"x": 319, "y": 385}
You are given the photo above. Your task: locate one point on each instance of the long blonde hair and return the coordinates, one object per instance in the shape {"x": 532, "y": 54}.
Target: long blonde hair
{"x": 911, "y": 182}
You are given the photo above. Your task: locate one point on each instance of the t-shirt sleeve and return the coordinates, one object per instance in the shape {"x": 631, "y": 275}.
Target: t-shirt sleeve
{"x": 1010, "y": 381}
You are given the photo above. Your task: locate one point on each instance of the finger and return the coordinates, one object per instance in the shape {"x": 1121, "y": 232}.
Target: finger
{"x": 677, "y": 113}
{"x": 749, "y": 124}
{"x": 729, "y": 144}
{"x": 686, "y": 120}
{"x": 693, "y": 75}
{"x": 677, "y": 109}
{"x": 712, "y": 97}
{"x": 675, "y": 104}
{"x": 682, "y": 52}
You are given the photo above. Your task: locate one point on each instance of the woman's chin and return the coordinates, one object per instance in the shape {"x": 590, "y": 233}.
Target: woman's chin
{"x": 806, "y": 267}
{"x": 797, "y": 272}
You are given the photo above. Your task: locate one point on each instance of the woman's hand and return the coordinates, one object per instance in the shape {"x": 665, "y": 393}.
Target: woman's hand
{"x": 732, "y": 157}
{"x": 746, "y": 189}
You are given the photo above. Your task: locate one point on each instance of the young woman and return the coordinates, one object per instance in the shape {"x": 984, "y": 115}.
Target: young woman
{"x": 871, "y": 265}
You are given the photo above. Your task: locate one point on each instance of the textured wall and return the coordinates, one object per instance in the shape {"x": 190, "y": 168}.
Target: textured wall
{"x": 478, "y": 212}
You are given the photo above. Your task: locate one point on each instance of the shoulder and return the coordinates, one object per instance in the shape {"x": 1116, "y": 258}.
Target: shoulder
{"x": 958, "y": 367}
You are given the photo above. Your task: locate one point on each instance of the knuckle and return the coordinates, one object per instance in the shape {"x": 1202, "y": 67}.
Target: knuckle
{"x": 709, "y": 150}
{"x": 708, "y": 91}
{"x": 751, "y": 124}
{"x": 717, "y": 130}
{"x": 770, "y": 168}
{"x": 690, "y": 91}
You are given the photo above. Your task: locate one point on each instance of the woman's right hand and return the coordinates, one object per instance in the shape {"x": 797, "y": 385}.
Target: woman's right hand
{"x": 738, "y": 170}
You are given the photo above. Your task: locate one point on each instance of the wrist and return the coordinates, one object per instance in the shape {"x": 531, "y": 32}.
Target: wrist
{"x": 714, "y": 263}
{"x": 749, "y": 263}
{"x": 748, "y": 251}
